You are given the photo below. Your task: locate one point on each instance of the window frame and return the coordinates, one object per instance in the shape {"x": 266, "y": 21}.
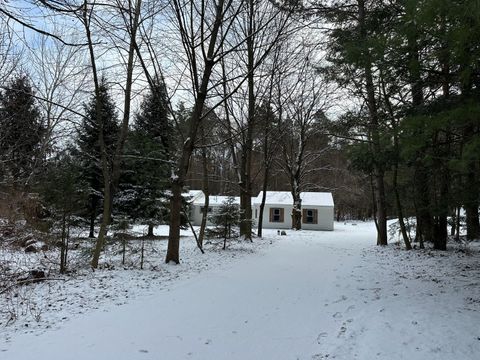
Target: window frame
{"x": 277, "y": 215}
{"x": 311, "y": 219}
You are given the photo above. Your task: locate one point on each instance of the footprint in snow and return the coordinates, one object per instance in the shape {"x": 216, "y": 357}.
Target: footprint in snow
{"x": 321, "y": 336}
{"x": 320, "y": 356}
{"x": 143, "y": 351}
{"x": 337, "y": 315}
{"x": 343, "y": 298}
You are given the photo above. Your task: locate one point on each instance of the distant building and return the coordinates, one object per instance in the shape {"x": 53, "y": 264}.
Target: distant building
{"x": 197, "y": 204}
{"x": 317, "y": 210}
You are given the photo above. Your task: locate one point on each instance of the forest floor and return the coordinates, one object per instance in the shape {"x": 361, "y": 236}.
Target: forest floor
{"x": 307, "y": 295}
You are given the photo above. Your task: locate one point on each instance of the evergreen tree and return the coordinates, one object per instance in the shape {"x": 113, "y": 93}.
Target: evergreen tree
{"x": 65, "y": 196}
{"x": 441, "y": 122}
{"x": 153, "y": 120}
{"x": 226, "y": 218}
{"x": 21, "y": 130}
{"x": 182, "y": 114}
{"x": 357, "y": 52}
{"x": 88, "y": 149}
{"x": 423, "y": 60}
{"x": 145, "y": 178}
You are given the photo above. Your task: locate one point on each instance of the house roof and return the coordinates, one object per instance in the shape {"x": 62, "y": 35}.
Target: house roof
{"x": 198, "y": 198}
{"x": 285, "y": 198}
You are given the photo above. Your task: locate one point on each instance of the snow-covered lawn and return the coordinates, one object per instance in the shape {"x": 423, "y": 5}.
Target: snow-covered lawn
{"x": 307, "y": 295}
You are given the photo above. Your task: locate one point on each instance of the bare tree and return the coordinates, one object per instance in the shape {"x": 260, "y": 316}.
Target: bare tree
{"x": 199, "y": 28}
{"x": 269, "y": 131}
{"x": 61, "y": 74}
{"x": 9, "y": 56}
{"x": 130, "y": 14}
{"x": 263, "y": 25}
{"x": 303, "y": 110}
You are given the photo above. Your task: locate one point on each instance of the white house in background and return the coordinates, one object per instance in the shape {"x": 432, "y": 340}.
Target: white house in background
{"x": 197, "y": 204}
{"x": 317, "y": 210}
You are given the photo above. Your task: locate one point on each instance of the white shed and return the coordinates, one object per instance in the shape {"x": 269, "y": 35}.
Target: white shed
{"x": 317, "y": 210}
{"x": 197, "y": 204}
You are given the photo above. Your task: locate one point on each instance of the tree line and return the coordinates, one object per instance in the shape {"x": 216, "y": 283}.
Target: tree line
{"x": 129, "y": 102}
{"x": 414, "y": 67}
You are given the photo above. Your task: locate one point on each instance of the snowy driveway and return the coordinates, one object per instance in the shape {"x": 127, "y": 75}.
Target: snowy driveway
{"x": 310, "y": 295}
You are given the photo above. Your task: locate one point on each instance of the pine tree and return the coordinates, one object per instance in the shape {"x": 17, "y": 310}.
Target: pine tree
{"x": 225, "y": 219}
{"x": 145, "y": 178}
{"x": 356, "y": 51}
{"x": 65, "y": 196}
{"x": 88, "y": 149}
{"x": 153, "y": 120}
{"x": 424, "y": 63}
{"x": 21, "y": 130}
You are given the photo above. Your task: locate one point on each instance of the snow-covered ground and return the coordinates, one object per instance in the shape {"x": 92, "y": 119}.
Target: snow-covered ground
{"x": 307, "y": 295}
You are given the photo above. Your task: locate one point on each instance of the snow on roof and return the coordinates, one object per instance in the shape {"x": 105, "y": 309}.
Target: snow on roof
{"x": 198, "y": 198}
{"x": 285, "y": 198}
{"x": 193, "y": 194}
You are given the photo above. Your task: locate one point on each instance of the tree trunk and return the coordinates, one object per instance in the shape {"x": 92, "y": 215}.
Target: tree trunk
{"x": 396, "y": 147}
{"x": 175, "y": 222}
{"x": 262, "y": 204}
{"x": 472, "y": 204}
{"x": 422, "y": 188}
{"x": 454, "y": 222}
{"x": 105, "y": 222}
{"x": 206, "y": 192}
{"x": 422, "y": 194}
{"x": 112, "y": 174}
{"x": 63, "y": 247}
{"x": 103, "y": 155}
{"x": 150, "y": 230}
{"x": 203, "y": 224}
{"x": 441, "y": 233}
{"x": 374, "y": 203}
{"x": 296, "y": 211}
{"x": 441, "y": 237}
{"x": 124, "y": 248}
{"x": 382, "y": 238}
{"x": 401, "y": 221}
{"x": 178, "y": 178}
{"x": 91, "y": 233}
{"x": 245, "y": 211}
{"x": 246, "y": 163}
{"x": 457, "y": 232}
{"x": 378, "y": 172}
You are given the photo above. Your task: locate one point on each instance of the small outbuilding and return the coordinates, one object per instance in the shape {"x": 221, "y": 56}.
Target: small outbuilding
{"x": 197, "y": 205}
{"x": 317, "y": 210}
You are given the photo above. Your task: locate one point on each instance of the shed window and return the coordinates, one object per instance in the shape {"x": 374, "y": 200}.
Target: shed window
{"x": 310, "y": 216}
{"x": 276, "y": 215}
